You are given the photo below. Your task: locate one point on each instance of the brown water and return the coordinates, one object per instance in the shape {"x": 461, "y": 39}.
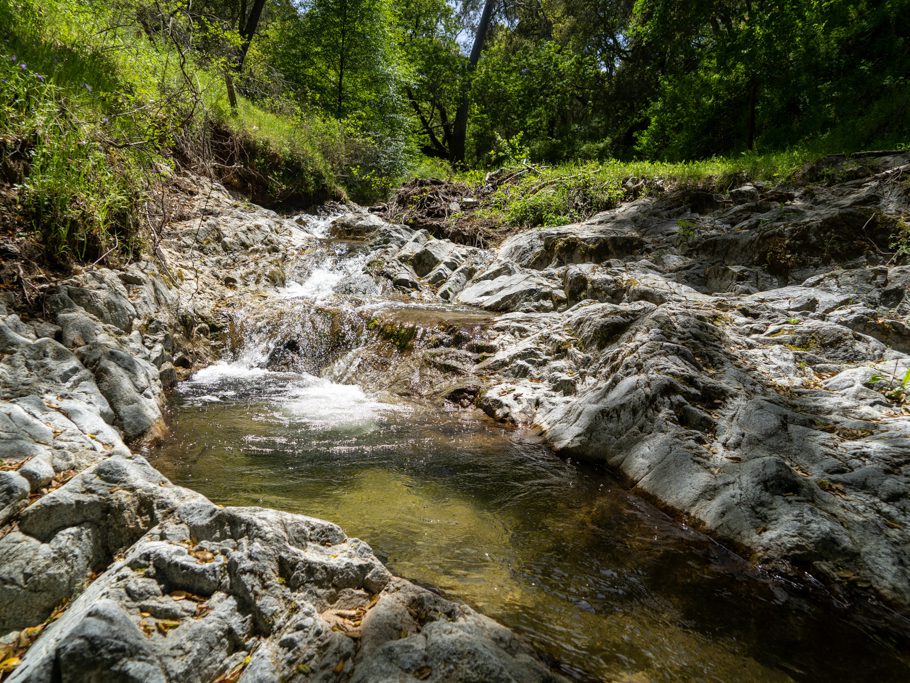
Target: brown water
{"x": 599, "y": 581}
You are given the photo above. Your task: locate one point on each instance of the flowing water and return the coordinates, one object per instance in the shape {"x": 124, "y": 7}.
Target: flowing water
{"x": 602, "y": 583}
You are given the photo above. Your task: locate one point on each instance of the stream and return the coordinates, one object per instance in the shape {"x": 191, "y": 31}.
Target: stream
{"x": 602, "y": 583}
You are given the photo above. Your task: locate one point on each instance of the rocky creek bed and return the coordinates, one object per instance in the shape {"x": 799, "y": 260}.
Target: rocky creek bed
{"x": 728, "y": 356}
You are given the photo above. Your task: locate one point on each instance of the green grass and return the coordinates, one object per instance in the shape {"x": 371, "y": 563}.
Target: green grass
{"x": 92, "y": 110}
{"x": 556, "y": 195}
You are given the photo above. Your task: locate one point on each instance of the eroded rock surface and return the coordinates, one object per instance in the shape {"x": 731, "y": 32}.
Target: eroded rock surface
{"x": 738, "y": 357}
{"x": 110, "y": 572}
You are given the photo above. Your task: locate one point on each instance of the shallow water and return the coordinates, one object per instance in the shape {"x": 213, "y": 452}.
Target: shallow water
{"x": 598, "y": 580}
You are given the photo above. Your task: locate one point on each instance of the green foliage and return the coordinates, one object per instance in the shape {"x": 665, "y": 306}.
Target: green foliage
{"x": 433, "y": 68}
{"x": 725, "y": 76}
{"x": 340, "y": 61}
{"x": 892, "y": 385}
{"x": 339, "y": 95}
{"x": 556, "y": 195}
{"x": 97, "y": 98}
{"x": 68, "y": 135}
{"x": 538, "y": 91}
{"x": 900, "y": 241}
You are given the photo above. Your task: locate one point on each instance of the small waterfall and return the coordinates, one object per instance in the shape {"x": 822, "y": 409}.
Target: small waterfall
{"x": 336, "y": 276}
{"x": 278, "y": 348}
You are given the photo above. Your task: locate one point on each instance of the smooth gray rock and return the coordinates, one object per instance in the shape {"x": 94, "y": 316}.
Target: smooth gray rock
{"x": 131, "y": 386}
{"x": 515, "y": 291}
{"x": 14, "y": 490}
{"x": 39, "y": 471}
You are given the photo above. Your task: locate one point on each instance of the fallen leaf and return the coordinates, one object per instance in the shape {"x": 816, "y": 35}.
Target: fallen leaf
{"x": 339, "y": 667}
{"x": 8, "y": 665}
{"x": 165, "y": 625}
{"x": 27, "y": 635}
{"x": 203, "y": 556}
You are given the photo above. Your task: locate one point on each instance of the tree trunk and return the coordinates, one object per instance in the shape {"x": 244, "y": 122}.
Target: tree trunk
{"x": 460, "y": 130}
{"x": 231, "y": 93}
{"x": 246, "y": 27}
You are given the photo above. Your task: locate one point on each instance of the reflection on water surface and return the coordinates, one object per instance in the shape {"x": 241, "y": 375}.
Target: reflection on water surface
{"x": 596, "y": 578}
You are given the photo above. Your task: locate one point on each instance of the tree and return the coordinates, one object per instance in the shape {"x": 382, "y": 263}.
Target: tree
{"x": 246, "y": 22}
{"x": 427, "y": 33}
{"x": 460, "y": 126}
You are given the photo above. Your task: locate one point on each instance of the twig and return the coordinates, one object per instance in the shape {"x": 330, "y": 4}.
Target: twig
{"x": 106, "y": 254}
{"x": 25, "y": 285}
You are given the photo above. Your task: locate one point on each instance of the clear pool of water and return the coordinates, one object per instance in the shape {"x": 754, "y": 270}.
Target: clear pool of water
{"x": 600, "y": 582}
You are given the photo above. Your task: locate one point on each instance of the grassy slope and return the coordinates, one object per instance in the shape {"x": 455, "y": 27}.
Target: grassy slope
{"x": 92, "y": 112}
{"x": 526, "y": 195}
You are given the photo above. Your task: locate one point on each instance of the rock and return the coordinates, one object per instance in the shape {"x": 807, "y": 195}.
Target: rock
{"x": 130, "y": 385}
{"x": 586, "y": 243}
{"x": 167, "y": 375}
{"x": 355, "y": 226}
{"x": 434, "y": 253}
{"x": 744, "y": 194}
{"x": 21, "y": 435}
{"x": 14, "y": 490}
{"x": 39, "y": 471}
{"x": 515, "y": 290}
{"x": 276, "y": 277}
{"x": 47, "y": 367}
{"x": 104, "y": 296}
{"x": 108, "y": 646}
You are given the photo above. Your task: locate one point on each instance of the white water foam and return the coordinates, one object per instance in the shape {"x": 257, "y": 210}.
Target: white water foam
{"x": 319, "y": 286}
{"x": 315, "y": 226}
{"x": 326, "y": 405}
{"x": 223, "y": 370}
{"x": 319, "y": 225}
{"x": 323, "y": 281}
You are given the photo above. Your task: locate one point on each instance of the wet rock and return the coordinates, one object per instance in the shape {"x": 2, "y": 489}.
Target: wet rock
{"x": 167, "y": 375}
{"x": 355, "y": 226}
